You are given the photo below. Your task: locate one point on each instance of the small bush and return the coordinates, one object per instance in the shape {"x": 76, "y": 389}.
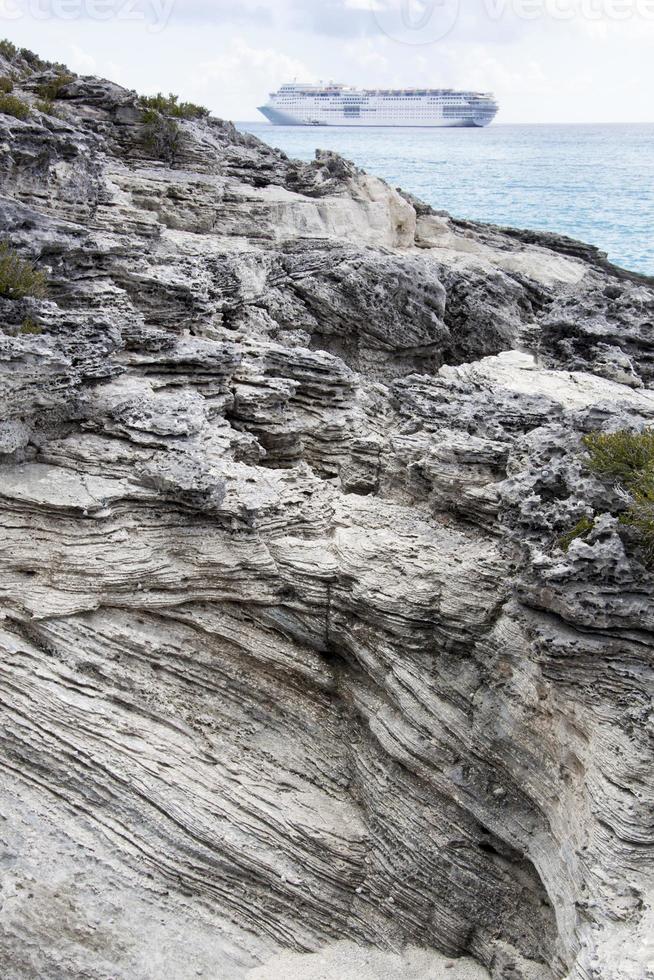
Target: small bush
{"x": 18, "y": 278}
{"x": 580, "y": 530}
{"x": 8, "y": 50}
{"x": 33, "y": 60}
{"x": 30, "y": 326}
{"x": 623, "y": 455}
{"x": 50, "y": 90}
{"x": 169, "y": 105}
{"x": 11, "y": 106}
{"x": 46, "y": 106}
{"x": 627, "y": 458}
{"x": 6, "y": 85}
{"x": 163, "y": 137}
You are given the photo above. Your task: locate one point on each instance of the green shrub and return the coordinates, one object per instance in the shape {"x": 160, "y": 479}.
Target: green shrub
{"x": 18, "y": 278}
{"x": 169, "y": 105}
{"x": 580, "y": 530}
{"x": 46, "y": 106}
{"x": 11, "y": 106}
{"x": 6, "y": 85}
{"x": 163, "y": 137}
{"x": 30, "y": 326}
{"x": 50, "y": 90}
{"x": 36, "y": 63}
{"x": 8, "y": 50}
{"x": 623, "y": 455}
{"x": 627, "y": 458}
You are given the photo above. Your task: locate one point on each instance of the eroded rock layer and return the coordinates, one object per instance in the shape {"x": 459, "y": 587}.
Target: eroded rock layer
{"x": 290, "y": 653}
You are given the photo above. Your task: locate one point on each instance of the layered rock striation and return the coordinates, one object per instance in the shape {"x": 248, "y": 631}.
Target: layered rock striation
{"x": 290, "y": 651}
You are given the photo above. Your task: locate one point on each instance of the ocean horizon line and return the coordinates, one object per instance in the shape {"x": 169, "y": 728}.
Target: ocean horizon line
{"x": 495, "y": 125}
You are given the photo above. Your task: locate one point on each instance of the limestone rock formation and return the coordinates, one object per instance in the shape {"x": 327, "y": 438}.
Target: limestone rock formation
{"x": 290, "y": 652}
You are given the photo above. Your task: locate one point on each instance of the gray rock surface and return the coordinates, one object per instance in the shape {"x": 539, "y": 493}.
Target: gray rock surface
{"x": 290, "y": 656}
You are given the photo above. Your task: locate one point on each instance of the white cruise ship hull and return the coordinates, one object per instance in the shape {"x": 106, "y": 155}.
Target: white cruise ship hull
{"x": 336, "y": 105}
{"x": 286, "y": 119}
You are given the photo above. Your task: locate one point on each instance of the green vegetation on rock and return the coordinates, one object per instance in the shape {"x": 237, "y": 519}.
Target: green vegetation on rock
{"x": 8, "y": 50}
{"x": 50, "y": 90}
{"x": 12, "y": 106}
{"x": 169, "y": 105}
{"x": 18, "y": 277}
{"x": 163, "y": 137}
{"x": 46, "y": 106}
{"x": 580, "y": 530}
{"x": 626, "y": 459}
{"x": 33, "y": 60}
{"x": 6, "y": 85}
{"x": 30, "y": 326}
{"x": 624, "y": 456}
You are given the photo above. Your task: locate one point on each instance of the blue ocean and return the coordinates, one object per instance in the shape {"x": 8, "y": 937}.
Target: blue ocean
{"x": 595, "y": 183}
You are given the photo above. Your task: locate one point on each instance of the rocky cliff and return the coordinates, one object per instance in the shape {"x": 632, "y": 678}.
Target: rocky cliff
{"x": 291, "y": 652}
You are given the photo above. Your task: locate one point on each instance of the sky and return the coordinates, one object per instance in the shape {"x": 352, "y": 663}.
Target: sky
{"x": 548, "y": 61}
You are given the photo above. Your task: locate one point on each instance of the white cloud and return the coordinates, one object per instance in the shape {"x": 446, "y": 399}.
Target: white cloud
{"x": 245, "y": 72}
{"x": 82, "y": 62}
{"x": 368, "y": 53}
{"x": 236, "y": 66}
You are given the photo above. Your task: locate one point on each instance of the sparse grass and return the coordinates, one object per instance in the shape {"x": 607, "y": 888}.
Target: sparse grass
{"x": 580, "y": 530}
{"x": 46, "y": 106}
{"x": 30, "y": 326}
{"x": 12, "y": 106}
{"x": 50, "y": 90}
{"x": 6, "y": 85}
{"x": 18, "y": 277}
{"x": 169, "y": 105}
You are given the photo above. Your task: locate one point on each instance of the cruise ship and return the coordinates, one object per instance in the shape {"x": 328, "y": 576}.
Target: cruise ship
{"x": 297, "y": 104}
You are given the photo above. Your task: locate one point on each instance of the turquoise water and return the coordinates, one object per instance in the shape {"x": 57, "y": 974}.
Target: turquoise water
{"x": 595, "y": 183}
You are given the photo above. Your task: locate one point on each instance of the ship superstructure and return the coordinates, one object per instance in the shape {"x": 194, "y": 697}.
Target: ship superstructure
{"x": 298, "y": 104}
